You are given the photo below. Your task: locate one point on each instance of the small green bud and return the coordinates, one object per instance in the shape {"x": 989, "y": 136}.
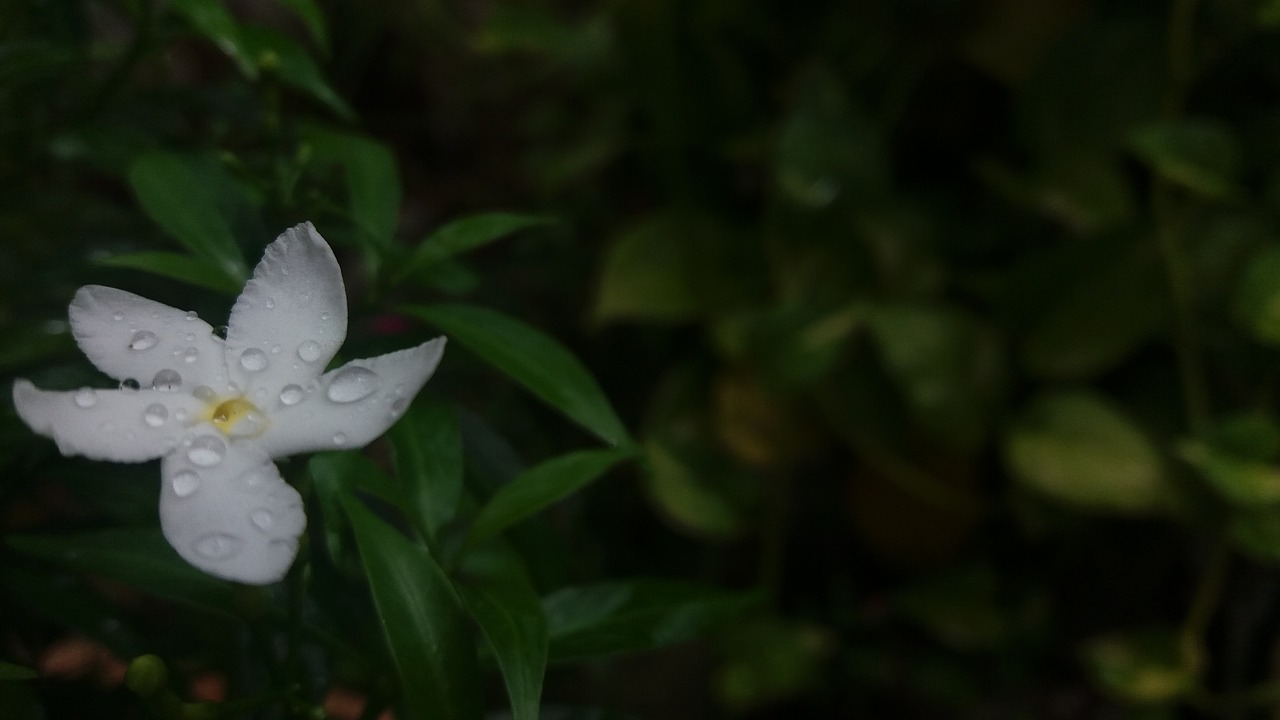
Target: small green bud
{"x": 146, "y": 676}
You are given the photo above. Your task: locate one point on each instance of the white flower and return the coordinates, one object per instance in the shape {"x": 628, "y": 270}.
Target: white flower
{"x": 218, "y": 411}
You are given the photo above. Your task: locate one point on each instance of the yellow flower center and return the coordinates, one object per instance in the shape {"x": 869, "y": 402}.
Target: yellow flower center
{"x": 236, "y": 417}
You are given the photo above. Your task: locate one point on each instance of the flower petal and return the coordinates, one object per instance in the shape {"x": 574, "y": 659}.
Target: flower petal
{"x": 291, "y": 317}
{"x": 118, "y": 425}
{"x": 351, "y": 405}
{"x": 127, "y": 336}
{"x": 226, "y": 510}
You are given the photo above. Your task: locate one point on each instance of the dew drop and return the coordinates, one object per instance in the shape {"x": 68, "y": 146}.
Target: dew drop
{"x": 143, "y": 340}
{"x": 220, "y": 332}
{"x": 270, "y": 303}
{"x": 190, "y": 337}
{"x": 217, "y": 546}
{"x": 324, "y": 316}
{"x": 399, "y": 405}
{"x": 263, "y": 518}
{"x": 205, "y": 393}
{"x": 180, "y": 415}
{"x": 191, "y": 315}
{"x": 185, "y": 483}
{"x": 117, "y": 316}
{"x": 351, "y": 384}
{"x": 85, "y": 398}
{"x": 167, "y": 381}
{"x": 155, "y": 414}
{"x": 253, "y": 360}
{"x": 275, "y": 349}
{"x": 130, "y": 385}
{"x": 206, "y": 451}
{"x": 339, "y": 439}
{"x": 291, "y": 395}
{"x": 309, "y": 351}
{"x": 190, "y": 355}
{"x": 254, "y": 480}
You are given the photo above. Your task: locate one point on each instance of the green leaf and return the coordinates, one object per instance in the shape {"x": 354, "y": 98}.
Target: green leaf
{"x": 177, "y": 267}
{"x": 672, "y": 267}
{"x": 138, "y": 557}
{"x": 211, "y": 19}
{"x": 1146, "y": 667}
{"x": 346, "y": 471}
{"x": 373, "y": 182}
{"x": 500, "y": 596}
{"x": 1199, "y": 155}
{"x": 539, "y": 486}
{"x": 1241, "y": 480}
{"x": 180, "y": 194}
{"x": 24, "y": 343}
{"x": 428, "y": 456}
{"x": 466, "y": 234}
{"x": 1256, "y": 302}
{"x": 630, "y": 615}
{"x": 291, "y": 62}
{"x": 679, "y": 483}
{"x": 311, "y": 15}
{"x": 9, "y": 671}
{"x": 531, "y": 358}
{"x": 1257, "y": 532}
{"x": 424, "y": 627}
{"x": 1078, "y": 448}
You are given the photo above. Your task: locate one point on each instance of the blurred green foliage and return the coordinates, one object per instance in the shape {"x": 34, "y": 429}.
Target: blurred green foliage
{"x": 938, "y": 341}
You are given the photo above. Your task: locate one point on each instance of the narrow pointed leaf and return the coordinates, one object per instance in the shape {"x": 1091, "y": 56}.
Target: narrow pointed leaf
{"x": 176, "y": 267}
{"x": 180, "y": 194}
{"x": 502, "y": 599}
{"x": 428, "y": 457}
{"x": 534, "y": 360}
{"x": 373, "y": 182}
{"x": 425, "y": 629}
{"x": 538, "y": 487}
{"x": 466, "y": 234}
{"x": 9, "y": 671}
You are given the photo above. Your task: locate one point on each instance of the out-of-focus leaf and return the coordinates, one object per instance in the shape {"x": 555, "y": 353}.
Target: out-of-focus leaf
{"x": 279, "y": 54}
{"x": 827, "y": 149}
{"x": 1257, "y": 532}
{"x": 679, "y": 485}
{"x": 373, "y": 182}
{"x": 350, "y": 471}
{"x": 24, "y": 344}
{"x": 194, "y": 271}
{"x": 9, "y": 671}
{"x": 946, "y": 364}
{"x": 539, "y": 486}
{"x": 770, "y": 661}
{"x": 794, "y": 345}
{"x": 534, "y": 360}
{"x": 961, "y": 607}
{"x": 629, "y": 615}
{"x": 311, "y": 15}
{"x": 428, "y": 457}
{"x": 1078, "y": 448}
{"x": 673, "y": 267}
{"x": 1197, "y": 154}
{"x": 1097, "y": 321}
{"x": 513, "y": 28}
{"x": 424, "y": 627}
{"x": 212, "y": 19}
{"x": 138, "y": 557}
{"x": 499, "y": 595}
{"x": 1240, "y": 479}
{"x": 67, "y": 603}
{"x": 181, "y": 195}
{"x": 463, "y": 235}
{"x": 1256, "y": 302}
{"x": 1146, "y": 668}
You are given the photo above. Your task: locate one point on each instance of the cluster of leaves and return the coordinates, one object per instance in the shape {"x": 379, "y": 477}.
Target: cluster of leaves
{"x": 206, "y": 134}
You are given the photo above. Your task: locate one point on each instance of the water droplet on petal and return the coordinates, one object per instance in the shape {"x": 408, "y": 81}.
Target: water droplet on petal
{"x": 253, "y": 360}
{"x": 291, "y": 395}
{"x": 130, "y": 385}
{"x": 205, "y": 393}
{"x": 339, "y": 439}
{"x": 263, "y": 518}
{"x": 275, "y": 349}
{"x": 143, "y": 340}
{"x": 351, "y": 384}
{"x": 185, "y": 483}
{"x": 85, "y": 398}
{"x": 399, "y": 405}
{"x": 270, "y": 303}
{"x": 324, "y": 316}
{"x": 179, "y": 414}
{"x": 167, "y": 381}
{"x": 309, "y": 351}
{"x": 155, "y": 414}
{"x": 217, "y": 546}
{"x": 117, "y": 316}
{"x": 190, "y": 337}
{"x": 190, "y": 355}
{"x": 206, "y": 451}
{"x": 191, "y": 315}
{"x": 254, "y": 480}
